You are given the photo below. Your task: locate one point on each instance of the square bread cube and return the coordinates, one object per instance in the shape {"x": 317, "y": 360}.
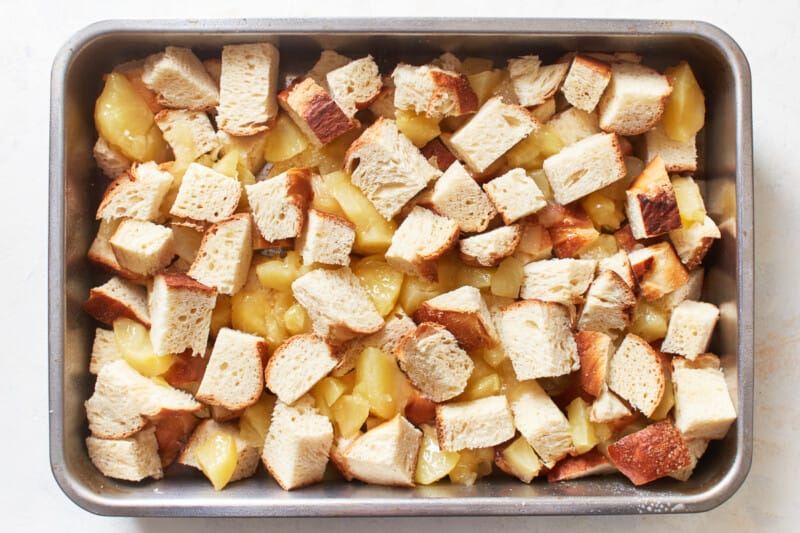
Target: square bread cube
{"x": 657, "y": 270}
{"x": 118, "y": 298}
{"x": 138, "y": 195}
{"x": 690, "y": 328}
{"x": 297, "y": 365}
{"x": 179, "y": 79}
{"x": 474, "y": 424}
{"x": 131, "y": 459}
{"x": 142, "y": 247}
{"x": 463, "y": 311}
{"x": 489, "y": 248}
{"x": 189, "y": 133}
{"x": 433, "y": 91}
{"x": 678, "y": 156}
{"x": 541, "y": 422}
{"x": 327, "y": 239}
{"x": 206, "y": 195}
{"x": 180, "y": 312}
{"x": 651, "y": 205}
{"x": 458, "y": 196}
{"x": 315, "y": 112}
{"x": 703, "y": 407}
{"x": 279, "y": 204}
{"x": 557, "y": 280}
{"x": 515, "y": 195}
{"x": 651, "y": 453}
{"x": 422, "y": 238}
{"x": 223, "y": 259}
{"x": 634, "y": 100}
{"x": 692, "y": 243}
{"x": 585, "y": 83}
{"x": 248, "y": 84}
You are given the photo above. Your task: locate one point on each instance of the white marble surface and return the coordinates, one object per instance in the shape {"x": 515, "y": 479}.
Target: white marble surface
{"x": 33, "y": 30}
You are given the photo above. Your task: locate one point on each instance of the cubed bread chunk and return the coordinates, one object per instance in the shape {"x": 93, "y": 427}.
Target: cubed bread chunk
{"x": 691, "y": 290}
{"x": 493, "y": 131}
{"x": 315, "y": 112}
{"x": 422, "y": 238}
{"x": 692, "y": 243}
{"x": 463, "y": 311}
{"x": 279, "y": 204}
{"x": 474, "y": 424}
{"x": 458, "y": 196}
{"x": 142, "y": 247}
{"x": 398, "y": 325}
{"x": 637, "y": 375}
{"x": 131, "y": 459}
{"x": 651, "y": 205}
{"x": 584, "y": 167}
{"x": 387, "y": 167}
{"x": 434, "y": 362}
{"x": 541, "y": 422}
{"x": 104, "y": 350}
{"x": 234, "y": 377}
{"x": 223, "y": 259}
{"x": 573, "y": 125}
{"x": 591, "y": 463}
{"x": 658, "y": 270}
{"x": 180, "y": 311}
{"x": 515, "y": 195}
{"x": 189, "y": 133}
{"x": 569, "y": 226}
{"x": 338, "y": 305}
{"x": 634, "y": 100}
{"x": 534, "y": 242}
{"x": 385, "y": 455}
{"x": 536, "y": 336}
{"x": 251, "y": 148}
{"x": 206, "y": 195}
{"x": 247, "y": 454}
{"x": 620, "y": 264}
{"x": 489, "y": 248}
{"x": 355, "y": 85}
{"x": 436, "y": 92}
{"x": 594, "y": 351}
{"x": 608, "y": 408}
{"x": 112, "y": 162}
{"x": 298, "y": 444}
{"x": 703, "y": 407}
{"x": 557, "y": 280}
{"x": 651, "y": 453}
{"x": 585, "y": 83}
{"x": 297, "y": 365}
{"x": 117, "y": 298}
{"x": 608, "y": 306}
{"x": 180, "y": 80}
{"x": 248, "y": 84}
{"x": 697, "y": 447}
{"x": 329, "y": 60}
{"x": 327, "y": 239}
{"x": 678, "y": 156}
{"x": 138, "y": 195}
{"x": 690, "y": 328}
{"x": 534, "y": 83}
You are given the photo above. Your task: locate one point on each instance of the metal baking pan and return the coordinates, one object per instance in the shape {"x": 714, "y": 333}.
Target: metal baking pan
{"x": 75, "y": 185}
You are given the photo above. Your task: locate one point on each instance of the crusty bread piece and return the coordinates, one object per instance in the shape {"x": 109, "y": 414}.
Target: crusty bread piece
{"x": 691, "y": 290}
{"x": 515, "y": 195}
{"x": 678, "y": 156}
{"x": 131, "y": 459}
{"x": 101, "y": 253}
{"x": 609, "y": 303}
{"x": 142, "y": 247}
{"x": 569, "y": 226}
{"x": 536, "y": 336}
{"x": 541, "y": 422}
{"x": 489, "y": 248}
{"x": 111, "y": 161}
{"x": 189, "y": 133}
{"x": 104, "y": 350}
{"x": 385, "y": 455}
{"x": 651, "y": 205}
{"x": 493, "y": 131}
{"x": 327, "y": 239}
{"x": 387, "y": 167}
{"x": 188, "y": 237}
{"x": 398, "y": 325}
{"x": 206, "y": 195}
{"x": 180, "y": 80}
{"x": 315, "y": 112}
{"x": 329, "y": 60}
{"x": 138, "y": 195}
{"x": 297, "y": 365}
{"x": 355, "y": 85}
{"x": 573, "y": 125}
{"x": 338, "y": 305}
{"x": 692, "y": 243}
{"x": 690, "y": 328}
{"x": 180, "y": 311}
{"x": 298, "y": 444}
{"x": 591, "y": 463}
{"x": 594, "y": 351}
{"x": 703, "y": 407}
{"x": 438, "y": 155}
{"x": 279, "y": 204}
{"x": 637, "y": 375}
{"x": 619, "y": 264}
{"x": 338, "y": 447}
{"x": 223, "y": 258}
{"x": 534, "y": 83}
{"x": 433, "y": 91}
{"x": 557, "y": 280}
{"x": 250, "y": 148}
{"x": 634, "y": 99}
{"x": 584, "y": 167}
{"x": 534, "y": 242}
{"x": 117, "y": 298}
{"x": 585, "y": 83}
{"x": 234, "y": 377}
{"x": 434, "y": 362}
{"x": 658, "y": 270}
{"x": 651, "y": 453}
{"x": 607, "y": 408}
{"x": 248, "y": 83}
{"x": 464, "y": 312}
{"x": 458, "y": 196}
{"x": 474, "y": 424}
{"x": 246, "y": 453}
{"x": 421, "y": 239}
{"x": 697, "y": 447}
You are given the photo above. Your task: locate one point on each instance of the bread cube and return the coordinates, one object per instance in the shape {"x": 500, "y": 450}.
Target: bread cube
{"x": 489, "y": 248}
{"x": 138, "y": 195}
{"x": 398, "y": 325}
{"x": 585, "y": 83}
{"x": 279, "y": 204}
{"x": 180, "y": 311}
{"x": 573, "y": 125}
{"x": 657, "y": 270}
{"x": 180, "y": 80}
{"x": 634, "y": 100}
{"x": 557, "y": 280}
{"x": 678, "y": 156}
{"x": 117, "y": 298}
{"x": 637, "y": 375}
{"x": 111, "y": 161}
{"x": 458, "y": 196}
{"x": 355, "y": 85}
{"x": 206, "y": 195}
{"x": 142, "y": 247}
{"x": 420, "y": 241}
{"x": 591, "y": 463}
{"x": 651, "y": 453}
{"x": 609, "y": 303}
{"x": 329, "y": 60}
{"x": 532, "y": 82}
{"x": 474, "y": 424}
{"x": 104, "y": 350}
{"x": 651, "y": 205}
{"x": 619, "y": 264}
{"x": 594, "y": 352}
{"x": 297, "y": 365}
{"x": 130, "y": 459}
{"x": 692, "y": 243}
{"x": 314, "y": 111}
{"x": 703, "y": 407}
{"x": 690, "y": 328}
{"x": 223, "y": 258}
{"x": 464, "y": 312}
{"x": 247, "y": 87}
{"x": 436, "y": 92}
{"x": 541, "y": 422}
{"x": 608, "y": 408}
{"x": 327, "y": 239}
{"x": 189, "y": 133}
{"x": 534, "y": 243}
{"x": 515, "y": 195}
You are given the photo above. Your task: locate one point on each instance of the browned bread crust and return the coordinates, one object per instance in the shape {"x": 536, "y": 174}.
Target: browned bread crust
{"x": 654, "y": 452}
{"x": 591, "y": 463}
{"x": 317, "y": 112}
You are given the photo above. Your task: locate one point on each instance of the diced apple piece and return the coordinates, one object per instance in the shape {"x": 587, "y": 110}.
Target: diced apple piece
{"x": 419, "y": 128}
{"x": 519, "y": 460}
{"x": 296, "y": 320}
{"x": 416, "y": 290}
{"x": 381, "y": 281}
{"x": 350, "y": 412}
{"x": 507, "y": 278}
{"x": 685, "y": 112}
{"x": 667, "y": 400}
{"x": 255, "y": 420}
{"x": 602, "y": 247}
{"x": 261, "y": 312}
{"x": 582, "y": 429}
{"x": 473, "y": 65}
{"x": 493, "y": 356}
{"x": 484, "y": 83}
{"x": 323, "y": 197}
{"x": 279, "y": 274}
{"x": 690, "y": 202}
{"x": 330, "y": 389}
{"x": 221, "y": 315}
{"x": 284, "y": 140}
{"x": 433, "y": 463}
{"x": 380, "y": 382}
{"x": 472, "y": 465}
{"x": 133, "y": 341}
{"x": 531, "y": 152}
{"x": 649, "y": 322}
{"x": 216, "y": 457}
{"x": 604, "y": 212}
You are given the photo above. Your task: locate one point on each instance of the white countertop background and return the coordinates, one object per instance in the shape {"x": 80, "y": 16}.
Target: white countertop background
{"x": 31, "y": 33}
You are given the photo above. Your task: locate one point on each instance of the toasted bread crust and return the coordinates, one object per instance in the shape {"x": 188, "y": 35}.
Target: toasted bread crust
{"x": 315, "y": 107}
{"x": 652, "y": 194}
{"x": 470, "y": 331}
{"x": 588, "y": 464}
{"x": 457, "y": 86}
{"x": 436, "y": 150}
{"x": 572, "y": 231}
{"x": 652, "y": 453}
{"x": 104, "y": 308}
{"x": 184, "y": 282}
{"x": 593, "y": 351}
